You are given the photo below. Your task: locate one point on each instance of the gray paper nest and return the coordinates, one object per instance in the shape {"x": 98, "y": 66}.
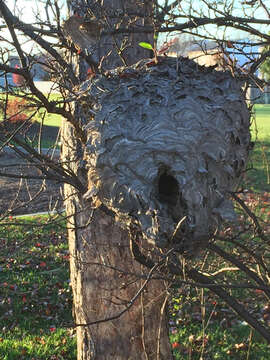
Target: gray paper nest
{"x": 167, "y": 145}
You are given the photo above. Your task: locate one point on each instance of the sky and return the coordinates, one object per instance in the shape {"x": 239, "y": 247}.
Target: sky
{"x": 26, "y": 10}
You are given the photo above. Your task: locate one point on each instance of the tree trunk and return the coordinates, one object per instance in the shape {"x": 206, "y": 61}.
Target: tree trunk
{"x": 104, "y": 276}
{"x": 104, "y": 279}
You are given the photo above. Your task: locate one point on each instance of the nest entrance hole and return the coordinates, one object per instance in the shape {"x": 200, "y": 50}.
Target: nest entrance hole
{"x": 168, "y": 189}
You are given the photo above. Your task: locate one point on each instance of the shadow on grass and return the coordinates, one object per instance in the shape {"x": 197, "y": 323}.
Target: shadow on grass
{"x": 32, "y": 133}
{"x": 35, "y": 298}
{"x": 48, "y": 134}
{"x": 257, "y": 177}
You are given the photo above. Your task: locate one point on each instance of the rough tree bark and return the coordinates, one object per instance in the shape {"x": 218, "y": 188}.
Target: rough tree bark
{"x": 96, "y": 240}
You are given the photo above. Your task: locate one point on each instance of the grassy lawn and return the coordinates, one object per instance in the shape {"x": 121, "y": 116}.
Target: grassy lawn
{"x": 35, "y": 297}
{"x": 258, "y": 178}
{"x": 203, "y": 327}
{"x": 218, "y": 334}
{"x": 44, "y": 128}
{"x": 53, "y": 120}
{"x": 262, "y": 113}
{"x": 36, "y": 305}
{"x": 49, "y": 119}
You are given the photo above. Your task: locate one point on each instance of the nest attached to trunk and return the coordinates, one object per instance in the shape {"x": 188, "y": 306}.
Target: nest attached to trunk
{"x": 166, "y": 147}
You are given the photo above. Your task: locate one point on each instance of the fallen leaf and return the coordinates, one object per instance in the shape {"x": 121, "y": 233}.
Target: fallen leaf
{"x": 47, "y": 311}
{"x": 52, "y": 328}
{"x": 24, "y": 351}
{"x": 258, "y": 291}
{"x": 240, "y": 346}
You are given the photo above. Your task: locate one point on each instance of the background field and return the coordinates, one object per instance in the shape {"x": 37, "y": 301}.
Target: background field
{"x": 258, "y": 178}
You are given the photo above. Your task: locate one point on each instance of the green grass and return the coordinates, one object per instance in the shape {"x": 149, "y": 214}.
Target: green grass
{"x": 50, "y": 123}
{"x": 49, "y": 119}
{"x": 219, "y": 334}
{"x": 262, "y": 117}
{"x": 35, "y": 298}
{"x": 36, "y": 303}
{"x": 52, "y": 120}
{"x": 258, "y": 178}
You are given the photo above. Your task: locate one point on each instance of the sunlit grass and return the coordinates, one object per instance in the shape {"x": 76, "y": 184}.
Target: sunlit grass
{"x": 258, "y": 178}
{"x": 49, "y": 119}
{"x": 262, "y": 122}
{"x": 53, "y": 120}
